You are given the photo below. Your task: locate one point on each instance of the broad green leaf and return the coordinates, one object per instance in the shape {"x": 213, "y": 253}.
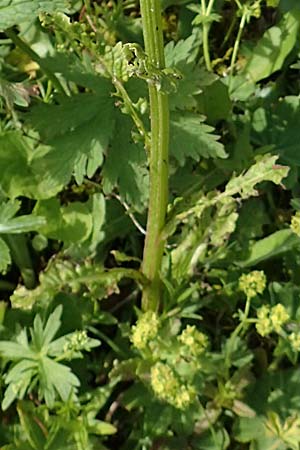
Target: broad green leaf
{"x": 214, "y": 102}
{"x": 247, "y": 429}
{"x": 269, "y": 432}
{"x": 274, "y": 245}
{"x": 190, "y": 137}
{"x": 5, "y": 258}
{"x": 15, "y": 12}
{"x": 126, "y": 166}
{"x": 212, "y": 440}
{"x": 278, "y": 125}
{"x": 71, "y": 223}
{"x": 271, "y": 50}
{"x": 18, "y": 176}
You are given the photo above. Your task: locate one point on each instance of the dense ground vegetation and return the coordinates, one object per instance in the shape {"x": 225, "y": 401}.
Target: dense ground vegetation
{"x": 188, "y": 338}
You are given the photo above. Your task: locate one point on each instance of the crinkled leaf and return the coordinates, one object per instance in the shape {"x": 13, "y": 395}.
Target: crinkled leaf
{"x": 265, "y": 169}
{"x": 73, "y": 277}
{"x": 14, "y": 12}
{"x": 190, "y": 137}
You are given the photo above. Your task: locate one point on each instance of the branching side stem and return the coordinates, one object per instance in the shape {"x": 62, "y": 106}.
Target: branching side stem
{"x": 158, "y": 159}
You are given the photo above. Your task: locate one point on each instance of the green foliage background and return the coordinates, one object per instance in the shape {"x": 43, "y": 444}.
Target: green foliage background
{"x": 82, "y": 367}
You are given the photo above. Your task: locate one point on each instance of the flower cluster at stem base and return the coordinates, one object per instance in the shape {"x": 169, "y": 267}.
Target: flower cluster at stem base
{"x": 145, "y": 330}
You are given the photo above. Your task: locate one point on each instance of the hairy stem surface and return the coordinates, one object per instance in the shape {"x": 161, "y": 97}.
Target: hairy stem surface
{"x": 159, "y": 143}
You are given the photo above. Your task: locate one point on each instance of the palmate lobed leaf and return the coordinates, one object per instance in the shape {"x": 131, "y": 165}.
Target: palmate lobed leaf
{"x": 15, "y": 12}
{"x": 56, "y": 378}
{"x": 33, "y": 365}
{"x": 190, "y": 137}
{"x": 77, "y": 132}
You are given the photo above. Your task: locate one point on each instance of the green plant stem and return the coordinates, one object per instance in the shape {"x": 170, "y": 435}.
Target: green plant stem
{"x": 133, "y": 113}
{"x": 239, "y": 330}
{"x": 158, "y": 160}
{"x": 35, "y": 57}
{"x": 236, "y": 47}
{"x": 21, "y": 257}
{"x": 206, "y": 11}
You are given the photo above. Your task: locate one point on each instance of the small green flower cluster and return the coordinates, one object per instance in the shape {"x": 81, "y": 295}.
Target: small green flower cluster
{"x": 295, "y": 223}
{"x": 77, "y": 342}
{"x": 145, "y": 330}
{"x": 253, "y": 283}
{"x": 271, "y": 319}
{"x": 167, "y": 387}
{"x": 194, "y": 342}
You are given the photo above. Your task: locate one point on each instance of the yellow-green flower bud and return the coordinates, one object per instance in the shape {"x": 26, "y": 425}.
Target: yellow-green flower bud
{"x": 295, "y": 223}
{"x": 195, "y": 341}
{"x": 264, "y": 324}
{"x": 145, "y": 330}
{"x": 279, "y": 316}
{"x": 271, "y": 319}
{"x": 256, "y": 9}
{"x": 253, "y": 283}
{"x": 294, "y": 339}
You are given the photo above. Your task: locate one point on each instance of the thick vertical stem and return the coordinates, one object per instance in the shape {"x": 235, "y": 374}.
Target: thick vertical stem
{"x": 158, "y": 196}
